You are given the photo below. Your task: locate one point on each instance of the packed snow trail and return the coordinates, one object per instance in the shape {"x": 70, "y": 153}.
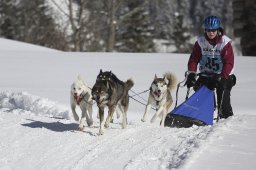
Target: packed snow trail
{"x": 139, "y": 146}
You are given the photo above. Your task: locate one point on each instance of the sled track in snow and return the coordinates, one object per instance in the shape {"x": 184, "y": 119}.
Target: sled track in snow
{"x": 139, "y": 146}
{"x": 188, "y": 142}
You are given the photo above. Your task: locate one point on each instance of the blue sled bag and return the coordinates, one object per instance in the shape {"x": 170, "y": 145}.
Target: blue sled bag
{"x": 196, "y": 110}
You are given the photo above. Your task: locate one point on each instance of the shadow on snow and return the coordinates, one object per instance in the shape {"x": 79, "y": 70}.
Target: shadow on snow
{"x": 56, "y": 126}
{"x": 53, "y": 126}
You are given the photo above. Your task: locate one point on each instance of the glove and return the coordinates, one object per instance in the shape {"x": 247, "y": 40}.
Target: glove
{"x": 233, "y": 78}
{"x": 191, "y": 80}
{"x": 220, "y": 81}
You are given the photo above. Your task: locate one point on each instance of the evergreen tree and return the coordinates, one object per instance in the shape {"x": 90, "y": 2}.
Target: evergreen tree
{"x": 135, "y": 33}
{"x": 181, "y": 36}
{"x": 7, "y": 19}
{"x": 200, "y": 9}
{"x": 32, "y": 22}
{"x": 112, "y": 25}
{"x": 245, "y": 25}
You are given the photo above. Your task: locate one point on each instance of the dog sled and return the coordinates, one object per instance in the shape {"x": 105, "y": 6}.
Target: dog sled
{"x": 198, "y": 109}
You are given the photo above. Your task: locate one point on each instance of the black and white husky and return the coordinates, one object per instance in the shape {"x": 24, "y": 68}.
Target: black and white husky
{"x": 109, "y": 91}
{"x": 80, "y": 94}
{"x": 160, "y": 97}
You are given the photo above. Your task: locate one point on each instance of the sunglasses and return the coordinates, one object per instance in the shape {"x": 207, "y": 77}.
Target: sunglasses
{"x": 211, "y": 30}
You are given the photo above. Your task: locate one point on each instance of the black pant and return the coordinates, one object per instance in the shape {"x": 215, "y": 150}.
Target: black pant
{"x": 223, "y": 91}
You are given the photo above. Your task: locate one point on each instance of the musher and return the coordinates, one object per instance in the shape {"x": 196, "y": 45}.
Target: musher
{"x": 214, "y": 55}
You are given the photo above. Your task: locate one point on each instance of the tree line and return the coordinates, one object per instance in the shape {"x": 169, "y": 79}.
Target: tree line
{"x": 111, "y": 25}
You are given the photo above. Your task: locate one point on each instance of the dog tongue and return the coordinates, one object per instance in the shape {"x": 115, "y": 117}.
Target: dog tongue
{"x": 157, "y": 94}
{"x": 78, "y": 99}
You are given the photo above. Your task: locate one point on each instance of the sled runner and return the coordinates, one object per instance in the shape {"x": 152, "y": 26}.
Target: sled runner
{"x": 195, "y": 110}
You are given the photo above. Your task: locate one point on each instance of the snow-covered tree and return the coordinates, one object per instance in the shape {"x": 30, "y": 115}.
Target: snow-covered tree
{"x": 30, "y": 21}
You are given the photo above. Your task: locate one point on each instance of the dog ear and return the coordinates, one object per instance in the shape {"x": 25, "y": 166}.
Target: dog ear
{"x": 107, "y": 84}
{"x": 100, "y": 71}
{"x": 80, "y": 78}
{"x": 155, "y": 76}
{"x": 166, "y": 80}
{"x": 109, "y": 87}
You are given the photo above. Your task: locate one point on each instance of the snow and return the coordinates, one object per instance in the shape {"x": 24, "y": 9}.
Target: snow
{"x": 38, "y": 131}
{"x": 15, "y": 46}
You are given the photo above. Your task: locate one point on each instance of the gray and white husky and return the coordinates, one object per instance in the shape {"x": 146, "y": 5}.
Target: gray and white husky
{"x": 80, "y": 94}
{"x": 160, "y": 97}
{"x": 109, "y": 91}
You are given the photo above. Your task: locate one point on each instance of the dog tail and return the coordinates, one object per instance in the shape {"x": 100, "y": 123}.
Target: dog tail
{"x": 172, "y": 80}
{"x": 129, "y": 83}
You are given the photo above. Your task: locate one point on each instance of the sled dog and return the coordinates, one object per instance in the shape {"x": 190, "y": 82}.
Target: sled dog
{"x": 80, "y": 94}
{"x": 108, "y": 75}
{"x": 160, "y": 97}
{"x": 108, "y": 91}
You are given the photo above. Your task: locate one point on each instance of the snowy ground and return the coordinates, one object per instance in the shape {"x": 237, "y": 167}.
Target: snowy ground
{"x": 38, "y": 131}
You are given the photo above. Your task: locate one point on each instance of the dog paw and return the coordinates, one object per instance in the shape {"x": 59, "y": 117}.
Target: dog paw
{"x": 152, "y": 121}
{"x": 106, "y": 125}
{"x": 90, "y": 124}
{"x": 101, "y": 132}
{"x": 76, "y": 118}
{"x": 143, "y": 120}
{"x": 80, "y": 128}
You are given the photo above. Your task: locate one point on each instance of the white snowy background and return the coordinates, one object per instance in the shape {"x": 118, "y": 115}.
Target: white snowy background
{"x": 37, "y": 130}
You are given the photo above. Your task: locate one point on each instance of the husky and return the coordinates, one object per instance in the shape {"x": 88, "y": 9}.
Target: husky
{"x": 80, "y": 94}
{"x": 109, "y": 91}
{"x": 108, "y": 75}
{"x": 160, "y": 97}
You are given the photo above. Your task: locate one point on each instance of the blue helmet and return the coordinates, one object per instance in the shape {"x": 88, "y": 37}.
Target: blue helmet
{"x": 212, "y": 22}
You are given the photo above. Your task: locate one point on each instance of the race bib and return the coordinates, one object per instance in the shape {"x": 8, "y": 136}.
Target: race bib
{"x": 211, "y": 64}
{"x": 211, "y": 61}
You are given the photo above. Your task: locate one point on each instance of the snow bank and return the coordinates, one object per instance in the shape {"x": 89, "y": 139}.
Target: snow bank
{"x": 24, "y": 102}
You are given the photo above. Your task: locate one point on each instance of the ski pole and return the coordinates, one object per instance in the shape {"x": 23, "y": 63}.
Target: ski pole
{"x": 221, "y": 102}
